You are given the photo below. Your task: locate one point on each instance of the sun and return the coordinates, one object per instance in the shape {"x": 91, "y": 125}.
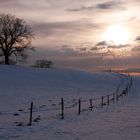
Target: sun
{"x": 118, "y": 34}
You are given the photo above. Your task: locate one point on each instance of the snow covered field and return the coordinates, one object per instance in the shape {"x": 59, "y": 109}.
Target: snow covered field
{"x": 45, "y": 87}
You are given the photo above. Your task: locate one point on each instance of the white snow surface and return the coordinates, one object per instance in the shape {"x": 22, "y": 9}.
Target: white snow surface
{"x": 45, "y": 87}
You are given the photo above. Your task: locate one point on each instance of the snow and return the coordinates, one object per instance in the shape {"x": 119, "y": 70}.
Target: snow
{"x": 45, "y": 87}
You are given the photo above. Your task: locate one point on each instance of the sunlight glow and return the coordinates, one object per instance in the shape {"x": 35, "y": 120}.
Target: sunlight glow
{"x": 117, "y": 34}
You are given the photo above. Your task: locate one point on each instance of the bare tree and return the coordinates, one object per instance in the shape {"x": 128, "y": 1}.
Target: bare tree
{"x": 43, "y": 63}
{"x": 15, "y": 37}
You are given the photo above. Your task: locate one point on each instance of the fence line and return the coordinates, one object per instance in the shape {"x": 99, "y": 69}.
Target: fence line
{"x": 88, "y": 104}
{"x": 105, "y": 100}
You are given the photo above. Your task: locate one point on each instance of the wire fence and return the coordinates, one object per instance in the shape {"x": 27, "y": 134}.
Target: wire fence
{"x": 80, "y": 105}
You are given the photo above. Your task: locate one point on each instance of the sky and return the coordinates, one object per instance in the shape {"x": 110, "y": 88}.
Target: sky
{"x": 82, "y": 34}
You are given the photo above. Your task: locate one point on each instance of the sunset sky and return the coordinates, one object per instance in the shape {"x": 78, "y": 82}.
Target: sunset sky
{"x": 82, "y": 34}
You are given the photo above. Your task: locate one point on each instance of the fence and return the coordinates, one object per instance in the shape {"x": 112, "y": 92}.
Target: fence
{"x": 91, "y": 104}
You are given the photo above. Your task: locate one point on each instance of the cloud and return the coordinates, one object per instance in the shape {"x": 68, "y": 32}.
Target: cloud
{"x": 108, "y": 5}
{"x": 136, "y": 49}
{"x": 72, "y": 51}
{"x": 111, "y": 44}
{"x": 137, "y": 38}
{"x": 101, "y": 43}
{"x": 82, "y": 8}
{"x": 102, "y": 6}
{"x": 63, "y": 27}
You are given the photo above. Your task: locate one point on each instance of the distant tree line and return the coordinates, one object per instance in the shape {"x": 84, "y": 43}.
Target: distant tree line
{"x": 43, "y": 63}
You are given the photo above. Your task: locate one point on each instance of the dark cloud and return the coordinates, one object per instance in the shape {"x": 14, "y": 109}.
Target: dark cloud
{"x": 111, "y": 45}
{"x": 65, "y": 46}
{"x": 71, "y": 51}
{"x": 94, "y": 49}
{"x": 101, "y": 43}
{"x": 104, "y": 6}
{"x": 108, "y": 5}
{"x": 88, "y": 48}
{"x": 82, "y": 8}
{"x": 137, "y": 38}
{"x": 136, "y": 49}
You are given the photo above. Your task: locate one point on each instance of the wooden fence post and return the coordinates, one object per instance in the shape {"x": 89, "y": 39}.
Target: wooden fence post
{"x": 31, "y": 114}
{"x": 79, "y": 107}
{"x": 102, "y": 102}
{"x": 107, "y": 99}
{"x": 91, "y": 104}
{"x": 62, "y": 108}
{"x": 127, "y": 90}
{"x": 113, "y": 98}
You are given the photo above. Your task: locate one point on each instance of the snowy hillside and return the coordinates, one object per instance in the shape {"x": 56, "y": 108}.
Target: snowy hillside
{"x": 45, "y": 87}
{"x": 21, "y": 85}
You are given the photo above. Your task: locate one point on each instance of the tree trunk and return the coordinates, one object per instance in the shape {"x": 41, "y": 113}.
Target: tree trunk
{"x": 6, "y": 60}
